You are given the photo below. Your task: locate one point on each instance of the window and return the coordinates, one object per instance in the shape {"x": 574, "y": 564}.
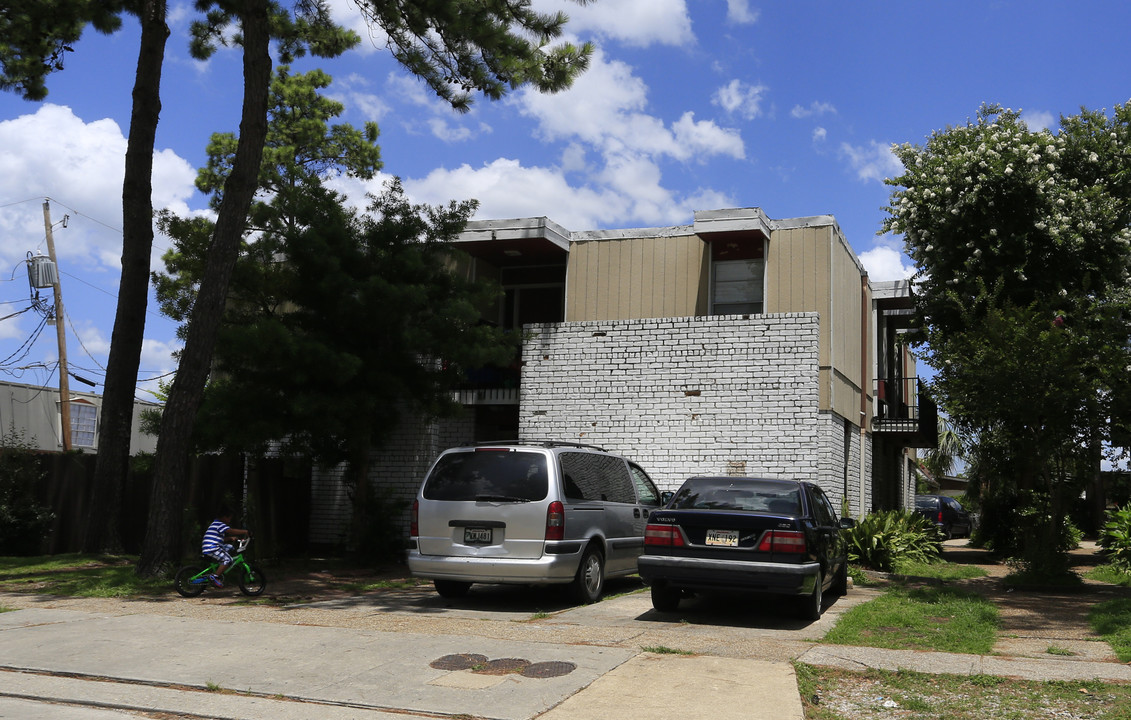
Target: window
{"x": 823, "y": 509}
{"x": 590, "y": 476}
{"x": 645, "y": 491}
{"x": 738, "y": 272}
{"x": 738, "y": 287}
{"x": 466, "y": 476}
{"x": 84, "y": 420}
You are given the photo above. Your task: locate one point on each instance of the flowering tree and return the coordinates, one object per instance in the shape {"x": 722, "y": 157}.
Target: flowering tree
{"x": 1022, "y": 244}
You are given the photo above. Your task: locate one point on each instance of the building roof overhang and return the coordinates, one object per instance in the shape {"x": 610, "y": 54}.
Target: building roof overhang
{"x": 519, "y": 241}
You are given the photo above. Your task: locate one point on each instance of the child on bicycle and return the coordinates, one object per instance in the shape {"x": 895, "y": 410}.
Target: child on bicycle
{"x": 215, "y": 543}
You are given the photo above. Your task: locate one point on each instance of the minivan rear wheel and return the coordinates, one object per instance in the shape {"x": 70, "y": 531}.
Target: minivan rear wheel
{"x": 451, "y": 588}
{"x": 589, "y": 582}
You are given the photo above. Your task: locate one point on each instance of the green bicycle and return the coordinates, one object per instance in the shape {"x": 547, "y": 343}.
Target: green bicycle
{"x": 191, "y": 580}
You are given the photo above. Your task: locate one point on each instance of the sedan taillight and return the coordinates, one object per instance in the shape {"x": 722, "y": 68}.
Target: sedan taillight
{"x": 788, "y": 541}
{"x": 663, "y": 535}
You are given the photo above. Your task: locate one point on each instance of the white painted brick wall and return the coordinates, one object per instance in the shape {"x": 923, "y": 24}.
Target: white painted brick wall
{"x": 725, "y": 395}
{"x": 685, "y": 396}
{"x": 398, "y": 470}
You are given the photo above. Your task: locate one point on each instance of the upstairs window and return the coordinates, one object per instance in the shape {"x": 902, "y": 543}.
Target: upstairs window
{"x": 738, "y": 273}
{"x": 84, "y": 421}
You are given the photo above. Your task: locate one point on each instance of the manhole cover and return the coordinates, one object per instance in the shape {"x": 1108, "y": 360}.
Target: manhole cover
{"x": 503, "y": 666}
{"x": 462, "y": 661}
{"x": 552, "y": 669}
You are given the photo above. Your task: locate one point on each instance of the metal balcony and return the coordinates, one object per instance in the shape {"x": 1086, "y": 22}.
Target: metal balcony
{"x": 905, "y": 412}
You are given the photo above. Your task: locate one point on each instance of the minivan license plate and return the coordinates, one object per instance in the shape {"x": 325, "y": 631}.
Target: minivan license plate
{"x": 722, "y": 537}
{"x": 477, "y": 536}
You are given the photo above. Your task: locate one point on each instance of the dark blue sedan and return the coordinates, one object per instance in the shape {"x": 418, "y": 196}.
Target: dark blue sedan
{"x": 771, "y": 536}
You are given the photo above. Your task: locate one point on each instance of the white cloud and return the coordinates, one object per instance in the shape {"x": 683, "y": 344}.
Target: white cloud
{"x": 606, "y": 108}
{"x": 1037, "y": 120}
{"x": 52, "y": 153}
{"x": 820, "y": 135}
{"x": 506, "y": 189}
{"x": 739, "y": 12}
{"x": 444, "y": 123}
{"x": 885, "y": 262}
{"x": 874, "y": 161}
{"x": 741, "y": 99}
{"x": 815, "y": 108}
{"x": 79, "y": 165}
{"x": 353, "y": 92}
{"x": 637, "y": 23}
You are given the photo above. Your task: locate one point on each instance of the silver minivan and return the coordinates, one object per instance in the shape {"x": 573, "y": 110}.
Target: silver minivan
{"x": 530, "y": 513}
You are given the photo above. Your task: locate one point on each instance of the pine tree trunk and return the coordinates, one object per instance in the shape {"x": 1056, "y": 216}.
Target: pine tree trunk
{"x": 163, "y": 530}
{"x": 103, "y": 531}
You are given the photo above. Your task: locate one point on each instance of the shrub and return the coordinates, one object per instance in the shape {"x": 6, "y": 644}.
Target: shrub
{"x": 1115, "y": 537}
{"x": 381, "y": 535}
{"x": 884, "y": 538}
{"x": 24, "y": 523}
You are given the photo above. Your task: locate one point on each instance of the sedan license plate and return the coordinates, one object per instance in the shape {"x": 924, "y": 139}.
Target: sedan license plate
{"x": 477, "y": 535}
{"x": 729, "y": 538}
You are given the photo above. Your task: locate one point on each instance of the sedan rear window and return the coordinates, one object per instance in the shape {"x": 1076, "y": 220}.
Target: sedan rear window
{"x": 488, "y": 475}
{"x": 725, "y": 494}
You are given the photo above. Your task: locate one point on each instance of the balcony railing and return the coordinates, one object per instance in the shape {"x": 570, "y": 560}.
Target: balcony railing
{"x": 905, "y": 411}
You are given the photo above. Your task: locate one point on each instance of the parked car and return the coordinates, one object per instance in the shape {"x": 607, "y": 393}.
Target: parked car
{"x": 946, "y": 513}
{"x": 763, "y": 535}
{"x": 537, "y": 513}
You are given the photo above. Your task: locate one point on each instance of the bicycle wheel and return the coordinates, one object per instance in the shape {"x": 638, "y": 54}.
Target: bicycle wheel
{"x": 187, "y": 583}
{"x": 252, "y": 581}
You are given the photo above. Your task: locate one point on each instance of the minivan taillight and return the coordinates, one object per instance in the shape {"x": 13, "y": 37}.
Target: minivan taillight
{"x": 663, "y": 535}
{"x": 940, "y": 516}
{"x": 555, "y": 521}
{"x": 788, "y": 541}
{"x": 414, "y": 523}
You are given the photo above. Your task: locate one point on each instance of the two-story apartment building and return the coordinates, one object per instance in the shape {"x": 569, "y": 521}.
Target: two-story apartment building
{"x": 736, "y": 345}
{"x": 30, "y": 414}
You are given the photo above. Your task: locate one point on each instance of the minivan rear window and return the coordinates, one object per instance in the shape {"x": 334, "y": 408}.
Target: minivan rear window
{"x": 488, "y": 475}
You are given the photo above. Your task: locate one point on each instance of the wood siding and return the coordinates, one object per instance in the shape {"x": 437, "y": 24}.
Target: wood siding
{"x": 811, "y": 270}
{"x": 637, "y": 277}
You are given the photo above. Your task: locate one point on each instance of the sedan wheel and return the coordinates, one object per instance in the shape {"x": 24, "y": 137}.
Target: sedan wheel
{"x": 664, "y": 598}
{"x": 811, "y": 608}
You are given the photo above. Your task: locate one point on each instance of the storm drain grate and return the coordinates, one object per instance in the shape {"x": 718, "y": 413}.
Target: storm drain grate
{"x": 503, "y": 666}
{"x": 555, "y": 668}
{"x": 463, "y": 661}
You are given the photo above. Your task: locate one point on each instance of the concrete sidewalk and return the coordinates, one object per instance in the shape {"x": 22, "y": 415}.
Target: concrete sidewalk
{"x": 272, "y": 671}
{"x": 70, "y": 665}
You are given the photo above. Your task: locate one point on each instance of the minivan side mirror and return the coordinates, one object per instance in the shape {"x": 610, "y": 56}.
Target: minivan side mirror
{"x": 665, "y": 496}
{"x": 847, "y": 523}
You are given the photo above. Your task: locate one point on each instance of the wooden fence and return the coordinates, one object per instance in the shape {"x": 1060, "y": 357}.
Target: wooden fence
{"x": 270, "y": 495}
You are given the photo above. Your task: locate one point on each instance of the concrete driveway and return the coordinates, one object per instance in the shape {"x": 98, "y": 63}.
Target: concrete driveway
{"x": 386, "y": 653}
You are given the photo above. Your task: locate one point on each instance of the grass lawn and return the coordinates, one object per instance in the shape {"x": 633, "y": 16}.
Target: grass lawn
{"x": 927, "y": 618}
{"x": 940, "y": 570}
{"x": 1109, "y": 574}
{"x": 1112, "y": 620}
{"x": 78, "y": 576}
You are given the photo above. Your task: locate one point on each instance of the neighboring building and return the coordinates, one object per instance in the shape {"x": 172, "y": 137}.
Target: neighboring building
{"x": 738, "y": 345}
{"x": 32, "y": 414}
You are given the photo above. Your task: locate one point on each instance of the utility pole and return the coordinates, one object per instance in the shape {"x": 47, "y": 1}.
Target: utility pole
{"x": 61, "y": 333}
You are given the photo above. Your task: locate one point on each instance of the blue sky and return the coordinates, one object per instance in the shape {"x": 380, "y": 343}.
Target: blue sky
{"x": 688, "y": 105}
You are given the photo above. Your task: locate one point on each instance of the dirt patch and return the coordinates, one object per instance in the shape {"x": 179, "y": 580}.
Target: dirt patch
{"x": 1035, "y": 619}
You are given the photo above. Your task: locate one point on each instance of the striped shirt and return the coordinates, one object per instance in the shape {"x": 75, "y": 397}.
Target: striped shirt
{"x": 214, "y": 537}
